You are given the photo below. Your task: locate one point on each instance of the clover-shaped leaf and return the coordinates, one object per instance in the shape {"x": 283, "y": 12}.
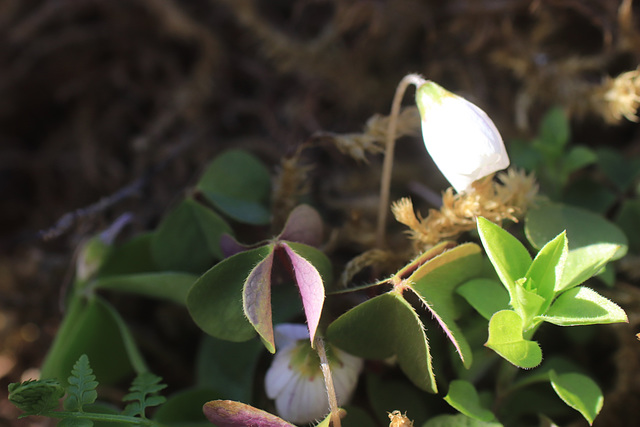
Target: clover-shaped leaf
{"x": 578, "y": 391}
{"x": 382, "y": 327}
{"x": 463, "y": 396}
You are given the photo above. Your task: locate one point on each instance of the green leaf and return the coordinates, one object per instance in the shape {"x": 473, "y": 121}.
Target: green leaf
{"x": 143, "y": 394}
{"x": 505, "y": 338}
{"x": 463, "y": 396}
{"x": 620, "y": 169}
{"x": 435, "y": 281}
{"x": 36, "y": 396}
{"x": 627, "y": 219}
{"x": 188, "y": 239}
{"x": 554, "y": 130}
{"x": 228, "y": 367}
{"x": 386, "y": 394}
{"x": 548, "y": 265}
{"x": 508, "y": 256}
{"x": 579, "y": 392}
{"x": 459, "y": 420}
{"x": 526, "y": 302}
{"x": 238, "y": 184}
{"x": 93, "y": 328}
{"x": 82, "y": 386}
{"x": 131, "y": 257}
{"x": 578, "y": 157}
{"x": 357, "y": 417}
{"x": 583, "y": 306}
{"x": 593, "y": 241}
{"x": 382, "y": 327}
{"x": 215, "y": 299}
{"x": 172, "y": 286}
{"x": 185, "y": 408}
{"x": 256, "y": 300}
{"x": 486, "y": 296}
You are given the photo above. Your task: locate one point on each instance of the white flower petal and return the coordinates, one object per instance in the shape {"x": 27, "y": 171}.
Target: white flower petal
{"x": 286, "y": 334}
{"x": 280, "y": 373}
{"x": 460, "y": 137}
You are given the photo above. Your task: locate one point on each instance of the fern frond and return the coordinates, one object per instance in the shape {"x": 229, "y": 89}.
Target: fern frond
{"x": 82, "y": 386}
{"x": 143, "y": 394}
{"x": 35, "y": 397}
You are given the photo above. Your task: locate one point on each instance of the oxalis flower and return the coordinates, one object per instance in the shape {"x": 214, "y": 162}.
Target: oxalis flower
{"x": 295, "y": 378}
{"x": 460, "y": 137}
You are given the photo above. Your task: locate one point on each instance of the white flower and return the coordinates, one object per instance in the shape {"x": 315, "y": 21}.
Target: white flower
{"x": 295, "y": 378}
{"x": 460, "y": 137}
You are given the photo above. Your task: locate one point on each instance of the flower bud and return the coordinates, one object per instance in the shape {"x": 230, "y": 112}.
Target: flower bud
{"x": 460, "y": 137}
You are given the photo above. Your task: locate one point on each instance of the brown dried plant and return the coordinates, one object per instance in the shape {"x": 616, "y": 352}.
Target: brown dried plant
{"x": 372, "y": 139}
{"x": 508, "y": 197}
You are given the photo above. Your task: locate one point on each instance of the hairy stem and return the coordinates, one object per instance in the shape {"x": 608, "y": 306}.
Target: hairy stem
{"x": 328, "y": 382}
{"x": 387, "y": 166}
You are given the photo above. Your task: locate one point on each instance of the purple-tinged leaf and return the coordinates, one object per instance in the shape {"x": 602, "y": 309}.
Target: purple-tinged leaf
{"x": 228, "y": 413}
{"x": 309, "y": 283}
{"x": 304, "y": 225}
{"x": 256, "y": 300}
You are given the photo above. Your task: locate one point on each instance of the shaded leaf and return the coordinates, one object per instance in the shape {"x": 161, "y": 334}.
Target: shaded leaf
{"x": 143, "y": 393}
{"x": 36, "y": 396}
{"x": 109, "y": 351}
{"x": 311, "y": 289}
{"x": 172, "y": 286}
{"x": 583, "y": 306}
{"x": 228, "y": 413}
{"x": 463, "y": 396}
{"x": 304, "y": 225}
{"x": 82, "y": 386}
{"x": 382, "y": 327}
{"x": 256, "y": 300}
{"x": 459, "y": 420}
{"x": 486, "y": 296}
{"x": 387, "y": 394}
{"x": 215, "y": 299}
{"x": 188, "y": 238}
{"x": 579, "y": 392}
{"x": 228, "y": 367}
{"x": 238, "y": 184}
{"x": 505, "y": 338}
{"x": 185, "y": 407}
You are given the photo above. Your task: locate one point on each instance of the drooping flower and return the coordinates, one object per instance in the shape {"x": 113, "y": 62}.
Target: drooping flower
{"x": 460, "y": 137}
{"x": 295, "y": 378}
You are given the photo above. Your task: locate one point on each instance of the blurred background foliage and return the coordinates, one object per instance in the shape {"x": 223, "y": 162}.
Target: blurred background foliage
{"x": 116, "y": 106}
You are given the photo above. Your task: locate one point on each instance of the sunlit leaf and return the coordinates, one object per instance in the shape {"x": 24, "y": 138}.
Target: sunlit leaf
{"x": 580, "y": 392}
{"x": 593, "y": 241}
{"x": 548, "y": 265}
{"x": 486, "y": 296}
{"x": 583, "y": 306}
{"x": 505, "y": 338}
{"x": 508, "y": 256}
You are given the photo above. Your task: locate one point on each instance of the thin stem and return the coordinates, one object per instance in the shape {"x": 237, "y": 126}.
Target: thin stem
{"x": 328, "y": 382}
{"x": 387, "y": 166}
{"x": 100, "y": 417}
